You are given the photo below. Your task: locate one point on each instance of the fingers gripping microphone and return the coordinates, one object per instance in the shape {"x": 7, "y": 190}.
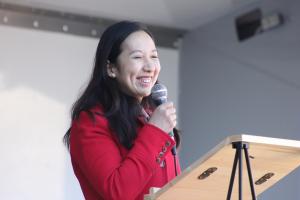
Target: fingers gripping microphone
{"x": 159, "y": 94}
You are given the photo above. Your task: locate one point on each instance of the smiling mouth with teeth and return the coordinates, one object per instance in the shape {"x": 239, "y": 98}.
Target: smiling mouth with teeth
{"x": 145, "y": 81}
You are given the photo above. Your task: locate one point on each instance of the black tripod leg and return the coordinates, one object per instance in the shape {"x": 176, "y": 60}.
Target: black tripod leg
{"x": 232, "y": 174}
{"x": 240, "y": 174}
{"x": 249, "y": 174}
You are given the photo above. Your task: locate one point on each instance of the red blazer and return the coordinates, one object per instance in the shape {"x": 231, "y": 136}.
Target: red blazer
{"x": 107, "y": 170}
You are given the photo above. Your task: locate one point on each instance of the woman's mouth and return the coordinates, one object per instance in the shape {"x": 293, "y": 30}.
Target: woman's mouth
{"x": 145, "y": 81}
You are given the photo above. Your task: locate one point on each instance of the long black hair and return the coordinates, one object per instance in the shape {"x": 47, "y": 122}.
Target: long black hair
{"x": 120, "y": 109}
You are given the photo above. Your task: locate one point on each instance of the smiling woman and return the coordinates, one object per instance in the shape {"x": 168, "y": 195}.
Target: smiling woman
{"x": 137, "y": 67}
{"x": 118, "y": 139}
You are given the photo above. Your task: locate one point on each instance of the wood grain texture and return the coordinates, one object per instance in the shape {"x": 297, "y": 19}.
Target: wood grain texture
{"x": 268, "y": 155}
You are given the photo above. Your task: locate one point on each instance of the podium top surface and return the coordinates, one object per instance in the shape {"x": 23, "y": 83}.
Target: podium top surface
{"x": 208, "y": 178}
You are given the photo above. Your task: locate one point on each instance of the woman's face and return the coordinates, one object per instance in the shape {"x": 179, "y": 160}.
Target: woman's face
{"x": 137, "y": 66}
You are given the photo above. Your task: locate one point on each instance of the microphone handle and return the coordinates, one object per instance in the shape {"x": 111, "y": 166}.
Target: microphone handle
{"x": 174, "y": 152}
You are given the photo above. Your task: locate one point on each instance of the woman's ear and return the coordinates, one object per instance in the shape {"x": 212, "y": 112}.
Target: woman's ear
{"x": 111, "y": 69}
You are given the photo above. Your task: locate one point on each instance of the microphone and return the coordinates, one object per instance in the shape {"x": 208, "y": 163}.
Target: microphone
{"x": 159, "y": 94}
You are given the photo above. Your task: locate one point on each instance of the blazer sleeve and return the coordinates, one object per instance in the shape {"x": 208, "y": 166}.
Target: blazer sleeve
{"x": 98, "y": 156}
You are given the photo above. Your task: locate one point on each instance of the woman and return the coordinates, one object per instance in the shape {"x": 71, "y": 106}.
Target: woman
{"x": 118, "y": 140}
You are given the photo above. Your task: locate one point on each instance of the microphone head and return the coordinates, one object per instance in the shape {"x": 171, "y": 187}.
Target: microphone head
{"x": 159, "y": 93}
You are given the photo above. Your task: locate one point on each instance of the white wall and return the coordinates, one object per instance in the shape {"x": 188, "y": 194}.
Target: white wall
{"x": 41, "y": 74}
{"x": 250, "y": 87}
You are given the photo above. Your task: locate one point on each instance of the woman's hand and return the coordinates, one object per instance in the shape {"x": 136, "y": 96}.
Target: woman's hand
{"x": 164, "y": 117}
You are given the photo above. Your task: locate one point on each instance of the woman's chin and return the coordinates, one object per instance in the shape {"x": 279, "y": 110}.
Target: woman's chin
{"x": 144, "y": 93}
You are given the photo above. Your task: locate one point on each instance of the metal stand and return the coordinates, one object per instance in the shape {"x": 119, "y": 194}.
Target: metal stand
{"x": 239, "y": 146}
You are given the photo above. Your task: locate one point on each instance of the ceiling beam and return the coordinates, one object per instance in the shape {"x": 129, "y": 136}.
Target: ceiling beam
{"x": 76, "y": 24}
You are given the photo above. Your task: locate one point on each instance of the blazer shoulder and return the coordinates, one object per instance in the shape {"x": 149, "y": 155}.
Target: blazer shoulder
{"x": 92, "y": 119}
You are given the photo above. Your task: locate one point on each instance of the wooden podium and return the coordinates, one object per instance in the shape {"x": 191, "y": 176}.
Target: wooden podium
{"x": 208, "y": 178}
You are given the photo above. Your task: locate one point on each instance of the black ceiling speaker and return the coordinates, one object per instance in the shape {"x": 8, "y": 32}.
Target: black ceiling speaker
{"x": 253, "y": 23}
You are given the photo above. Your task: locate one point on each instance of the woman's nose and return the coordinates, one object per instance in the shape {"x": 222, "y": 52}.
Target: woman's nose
{"x": 149, "y": 66}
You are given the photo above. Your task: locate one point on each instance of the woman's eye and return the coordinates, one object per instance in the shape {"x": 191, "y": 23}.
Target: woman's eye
{"x": 137, "y": 57}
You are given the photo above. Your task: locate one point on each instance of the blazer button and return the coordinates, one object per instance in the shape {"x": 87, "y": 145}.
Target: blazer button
{"x": 168, "y": 143}
{"x": 160, "y": 154}
{"x": 158, "y": 160}
{"x": 164, "y": 149}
